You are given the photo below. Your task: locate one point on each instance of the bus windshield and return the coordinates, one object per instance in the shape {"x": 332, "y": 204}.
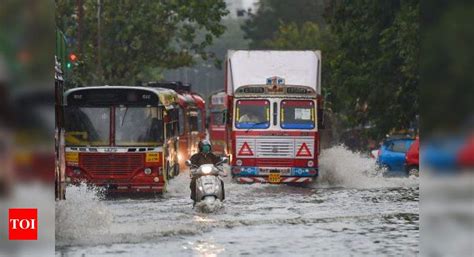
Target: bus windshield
{"x": 297, "y": 114}
{"x": 217, "y": 118}
{"x": 87, "y": 126}
{"x": 138, "y": 126}
{"x": 252, "y": 114}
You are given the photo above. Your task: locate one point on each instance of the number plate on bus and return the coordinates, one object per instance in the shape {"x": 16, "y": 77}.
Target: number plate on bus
{"x": 152, "y": 157}
{"x": 274, "y": 177}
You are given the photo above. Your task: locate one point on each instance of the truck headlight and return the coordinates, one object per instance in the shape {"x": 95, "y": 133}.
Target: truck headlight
{"x": 77, "y": 172}
{"x": 310, "y": 163}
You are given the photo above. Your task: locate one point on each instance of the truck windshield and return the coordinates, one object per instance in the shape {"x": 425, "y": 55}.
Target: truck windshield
{"x": 297, "y": 114}
{"x": 138, "y": 126}
{"x": 87, "y": 126}
{"x": 254, "y": 114}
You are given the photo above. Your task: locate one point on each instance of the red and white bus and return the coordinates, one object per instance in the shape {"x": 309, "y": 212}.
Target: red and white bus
{"x": 217, "y": 122}
{"x": 122, "y": 138}
{"x": 191, "y": 117}
{"x": 276, "y": 107}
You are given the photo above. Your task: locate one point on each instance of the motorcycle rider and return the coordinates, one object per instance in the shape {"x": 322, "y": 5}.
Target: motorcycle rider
{"x": 204, "y": 156}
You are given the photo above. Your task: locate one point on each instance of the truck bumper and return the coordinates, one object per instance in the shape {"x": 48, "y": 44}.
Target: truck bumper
{"x": 284, "y": 180}
{"x": 261, "y": 174}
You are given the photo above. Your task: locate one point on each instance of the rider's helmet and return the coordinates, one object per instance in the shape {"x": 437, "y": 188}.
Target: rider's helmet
{"x": 205, "y": 146}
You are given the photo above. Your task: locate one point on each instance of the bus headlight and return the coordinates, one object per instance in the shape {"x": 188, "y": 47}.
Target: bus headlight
{"x": 238, "y": 162}
{"x": 77, "y": 172}
{"x": 147, "y": 171}
{"x": 310, "y": 163}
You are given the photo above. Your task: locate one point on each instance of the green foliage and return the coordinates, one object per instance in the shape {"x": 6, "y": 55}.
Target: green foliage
{"x": 271, "y": 14}
{"x": 140, "y": 38}
{"x": 375, "y": 75}
{"x": 370, "y": 52}
{"x": 446, "y": 68}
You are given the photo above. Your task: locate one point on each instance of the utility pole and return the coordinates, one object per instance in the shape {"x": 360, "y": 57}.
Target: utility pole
{"x": 80, "y": 15}
{"x": 99, "y": 41}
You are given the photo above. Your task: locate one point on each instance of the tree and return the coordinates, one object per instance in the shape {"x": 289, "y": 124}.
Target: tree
{"x": 139, "y": 38}
{"x": 370, "y": 54}
{"x": 375, "y": 67}
{"x": 271, "y": 14}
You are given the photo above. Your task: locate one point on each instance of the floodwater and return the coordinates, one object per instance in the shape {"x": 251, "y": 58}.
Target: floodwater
{"x": 351, "y": 211}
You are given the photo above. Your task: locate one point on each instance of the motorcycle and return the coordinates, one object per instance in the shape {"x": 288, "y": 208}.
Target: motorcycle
{"x": 209, "y": 186}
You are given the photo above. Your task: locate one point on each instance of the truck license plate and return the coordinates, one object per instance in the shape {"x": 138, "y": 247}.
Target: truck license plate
{"x": 274, "y": 177}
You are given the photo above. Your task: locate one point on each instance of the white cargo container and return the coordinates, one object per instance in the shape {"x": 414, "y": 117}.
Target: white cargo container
{"x": 253, "y": 67}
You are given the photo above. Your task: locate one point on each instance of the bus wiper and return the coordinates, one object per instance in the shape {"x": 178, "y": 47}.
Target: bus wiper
{"x": 123, "y": 118}
{"x": 255, "y": 124}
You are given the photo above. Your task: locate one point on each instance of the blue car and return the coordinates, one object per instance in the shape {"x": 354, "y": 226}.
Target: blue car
{"x": 392, "y": 154}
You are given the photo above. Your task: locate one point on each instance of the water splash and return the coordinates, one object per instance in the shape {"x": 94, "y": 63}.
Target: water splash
{"x": 209, "y": 206}
{"x": 81, "y": 214}
{"x": 340, "y": 167}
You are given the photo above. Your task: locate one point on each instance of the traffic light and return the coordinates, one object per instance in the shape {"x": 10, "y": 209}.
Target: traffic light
{"x": 71, "y": 61}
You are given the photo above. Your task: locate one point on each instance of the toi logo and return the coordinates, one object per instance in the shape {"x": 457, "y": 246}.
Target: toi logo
{"x": 23, "y": 224}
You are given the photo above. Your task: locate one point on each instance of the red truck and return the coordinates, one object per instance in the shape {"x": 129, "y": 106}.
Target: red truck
{"x": 275, "y": 113}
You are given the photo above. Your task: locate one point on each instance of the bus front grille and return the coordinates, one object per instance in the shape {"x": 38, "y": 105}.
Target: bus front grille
{"x": 111, "y": 164}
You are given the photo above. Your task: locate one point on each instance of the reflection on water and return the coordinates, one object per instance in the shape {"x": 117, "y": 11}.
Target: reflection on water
{"x": 206, "y": 248}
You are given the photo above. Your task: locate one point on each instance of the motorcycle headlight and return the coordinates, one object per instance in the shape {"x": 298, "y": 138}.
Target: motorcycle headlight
{"x": 206, "y": 169}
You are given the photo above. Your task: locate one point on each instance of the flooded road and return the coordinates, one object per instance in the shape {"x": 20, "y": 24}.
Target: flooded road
{"x": 351, "y": 210}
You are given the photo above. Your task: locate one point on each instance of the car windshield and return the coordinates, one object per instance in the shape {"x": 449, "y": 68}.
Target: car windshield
{"x": 252, "y": 114}
{"x": 140, "y": 126}
{"x": 297, "y": 114}
{"x": 87, "y": 126}
{"x": 400, "y": 146}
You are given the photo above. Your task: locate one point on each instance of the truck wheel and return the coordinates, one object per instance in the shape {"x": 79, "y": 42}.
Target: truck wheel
{"x": 413, "y": 171}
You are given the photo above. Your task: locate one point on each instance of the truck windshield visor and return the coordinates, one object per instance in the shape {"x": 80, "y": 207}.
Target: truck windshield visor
{"x": 252, "y": 114}
{"x": 87, "y": 126}
{"x": 297, "y": 114}
{"x": 138, "y": 126}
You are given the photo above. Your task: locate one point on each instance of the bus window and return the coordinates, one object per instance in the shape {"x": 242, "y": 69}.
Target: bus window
{"x": 199, "y": 121}
{"x": 193, "y": 121}
{"x": 252, "y": 114}
{"x": 138, "y": 126}
{"x": 297, "y": 114}
{"x": 172, "y": 125}
{"x": 87, "y": 126}
{"x": 181, "y": 121}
